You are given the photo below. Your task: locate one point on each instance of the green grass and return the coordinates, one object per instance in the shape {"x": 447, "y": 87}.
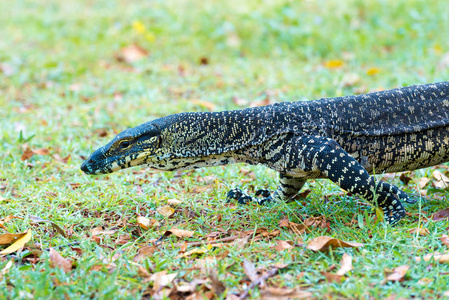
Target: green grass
{"x": 61, "y": 85}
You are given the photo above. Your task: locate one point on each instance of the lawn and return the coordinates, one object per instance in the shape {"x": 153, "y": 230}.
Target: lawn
{"x": 75, "y": 73}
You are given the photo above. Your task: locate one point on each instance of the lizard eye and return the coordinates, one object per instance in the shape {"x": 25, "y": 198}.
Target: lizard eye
{"x": 124, "y": 144}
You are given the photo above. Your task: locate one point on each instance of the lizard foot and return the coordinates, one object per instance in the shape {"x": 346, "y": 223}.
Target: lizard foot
{"x": 389, "y": 199}
{"x": 243, "y": 198}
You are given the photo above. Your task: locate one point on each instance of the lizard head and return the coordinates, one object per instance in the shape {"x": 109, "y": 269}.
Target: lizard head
{"x": 132, "y": 147}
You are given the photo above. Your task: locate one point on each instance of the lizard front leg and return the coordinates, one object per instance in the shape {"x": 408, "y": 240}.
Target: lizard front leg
{"x": 337, "y": 165}
{"x": 288, "y": 188}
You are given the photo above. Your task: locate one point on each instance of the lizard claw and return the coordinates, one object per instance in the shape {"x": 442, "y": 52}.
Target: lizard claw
{"x": 243, "y": 198}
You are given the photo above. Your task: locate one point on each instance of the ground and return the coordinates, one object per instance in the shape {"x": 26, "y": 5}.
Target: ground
{"x": 75, "y": 73}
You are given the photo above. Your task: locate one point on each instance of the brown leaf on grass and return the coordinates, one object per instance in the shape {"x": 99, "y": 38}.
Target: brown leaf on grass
{"x": 217, "y": 285}
{"x": 398, "y": 273}
{"x": 9, "y": 238}
{"x": 283, "y": 245}
{"x": 276, "y": 293}
{"x": 240, "y": 243}
{"x": 27, "y": 154}
{"x": 166, "y": 211}
{"x": 142, "y": 272}
{"x": 74, "y": 185}
{"x": 405, "y": 178}
{"x": 36, "y": 219}
{"x": 59, "y": 261}
{"x": 441, "y": 215}
{"x": 319, "y": 222}
{"x": 295, "y": 227}
{"x": 62, "y": 159}
{"x": 204, "y": 104}
{"x": 146, "y": 223}
{"x": 345, "y": 264}
{"x": 162, "y": 279}
{"x": 18, "y": 244}
{"x": 442, "y": 181}
{"x": 41, "y": 151}
{"x": 445, "y": 240}
{"x": 331, "y": 277}
{"x": 174, "y": 202}
{"x": 204, "y": 60}
{"x": 131, "y": 54}
{"x": 419, "y": 230}
{"x": 123, "y": 239}
{"x": 324, "y": 242}
{"x": 437, "y": 257}
{"x": 250, "y": 270}
{"x": 179, "y": 232}
{"x": 422, "y": 182}
{"x": 144, "y": 252}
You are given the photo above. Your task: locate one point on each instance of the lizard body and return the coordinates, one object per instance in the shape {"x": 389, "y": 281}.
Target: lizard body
{"x": 344, "y": 139}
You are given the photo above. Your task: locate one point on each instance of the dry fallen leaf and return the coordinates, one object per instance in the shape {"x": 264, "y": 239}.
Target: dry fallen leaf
{"x": 18, "y": 244}
{"x": 9, "y": 238}
{"x": 217, "y": 285}
{"x": 179, "y": 232}
{"x": 422, "y": 182}
{"x": 323, "y": 242}
{"x": 204, "y": 104}
{"x": 331, "y": 277}
{"x": 59, "y": 261}
{"x": 282, "y": 245}
{"x": 142, "y": 272}
{"x": 345, "y": 265}
{"x": 131, "y": 53}
{"x": 162, "y": 279}
{"x": 62, "y": 159}
{"x": 144, "y": 252}
{"x": 276, "y": 293}
{"x": 250, "y": 270}
{"x": 174, "y": 202}
{"x": 41, "y": 151}
{"x": 441, "y": 215}
{"x": 445, "y": 240}
{"x": 419, "y": 230}
{"x": 146, "y": 223}
{"x": 166, "y": 211}
{"x": 442, "y": 181}
{"x": 27, "y": 154}
{"x": 36, "y": 219}
{"x": 398, "y": 273}
{"x": 437, "y": 257}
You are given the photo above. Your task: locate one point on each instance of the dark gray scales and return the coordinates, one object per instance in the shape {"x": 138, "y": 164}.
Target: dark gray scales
{"x": 344, "y": 139}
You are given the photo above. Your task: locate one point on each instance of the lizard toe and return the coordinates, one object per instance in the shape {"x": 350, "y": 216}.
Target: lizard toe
{"x": 234, "y": 194}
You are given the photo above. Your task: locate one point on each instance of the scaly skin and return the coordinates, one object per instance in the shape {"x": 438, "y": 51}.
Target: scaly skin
{"x": 344, "y": 139}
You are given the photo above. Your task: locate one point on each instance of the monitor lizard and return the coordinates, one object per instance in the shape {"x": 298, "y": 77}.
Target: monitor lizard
{"x": 344, "y": 139}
